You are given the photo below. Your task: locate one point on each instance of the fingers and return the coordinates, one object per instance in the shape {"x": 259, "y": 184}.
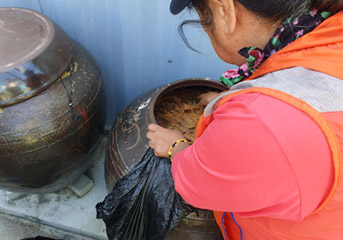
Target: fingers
{"x": 160, "y": 139}
{"x": 205, "y": 98}
{"x": 151, "y": 131}
{"x": 152, "y": 135}
{"x": 200, "y": 96}
{"x": 203, "y": 102}
{"x": 151, "y": 144}
{"x": 153, "y": 127}
{"x": 149, "y": 135}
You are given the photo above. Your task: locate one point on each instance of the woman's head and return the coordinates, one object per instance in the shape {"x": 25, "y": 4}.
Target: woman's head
{"x": 272, "y": 9}
{"x": 269, "y": 12}
{"x": 231, "y": 25}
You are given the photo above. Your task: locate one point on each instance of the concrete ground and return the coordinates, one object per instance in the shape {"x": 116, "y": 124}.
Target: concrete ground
{"x": 61, "y": 215}
{"x": 14, "y": 228}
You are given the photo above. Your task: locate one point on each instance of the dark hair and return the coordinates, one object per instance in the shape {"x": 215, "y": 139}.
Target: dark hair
{"x": 206, "y": 20}
{"x": 274, "y": 10}
{"x": 327, "y": 5}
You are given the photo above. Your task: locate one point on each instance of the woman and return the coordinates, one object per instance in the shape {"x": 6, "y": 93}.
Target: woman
{"x": 267, "y": 157}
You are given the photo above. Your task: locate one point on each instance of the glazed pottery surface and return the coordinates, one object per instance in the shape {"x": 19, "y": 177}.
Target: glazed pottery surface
{"x": 128, "y": 143}
{"x": 52, "y": 104}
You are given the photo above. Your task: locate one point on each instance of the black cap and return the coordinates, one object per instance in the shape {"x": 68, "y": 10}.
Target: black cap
{"x": 176, "y": 6}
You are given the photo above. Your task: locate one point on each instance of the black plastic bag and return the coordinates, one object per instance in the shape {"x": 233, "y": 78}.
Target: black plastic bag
{"x": 143, "y": 204}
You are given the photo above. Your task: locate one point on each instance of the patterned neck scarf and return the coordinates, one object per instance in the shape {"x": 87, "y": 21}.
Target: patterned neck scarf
{"x": 290, "y": 30}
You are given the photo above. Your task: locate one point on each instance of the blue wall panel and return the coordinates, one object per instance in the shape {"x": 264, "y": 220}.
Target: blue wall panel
{"x": 135, "y": 42}
{"x": 33, "y": 4}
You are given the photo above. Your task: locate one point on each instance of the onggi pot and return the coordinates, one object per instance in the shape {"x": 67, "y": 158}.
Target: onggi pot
{"x": 128, "y": 143}
{"x": 52, "y": 104}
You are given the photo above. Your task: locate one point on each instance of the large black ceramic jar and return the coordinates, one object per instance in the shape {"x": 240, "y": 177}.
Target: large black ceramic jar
{"x": 128, "y": 143}
{"x": 52, "y": 104}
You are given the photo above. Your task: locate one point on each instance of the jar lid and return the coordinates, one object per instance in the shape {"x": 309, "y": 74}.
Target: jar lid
{"x": 34, "y": 52}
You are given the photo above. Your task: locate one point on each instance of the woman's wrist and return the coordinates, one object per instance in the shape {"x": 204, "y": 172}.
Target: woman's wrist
{"x": 177, "y": 146}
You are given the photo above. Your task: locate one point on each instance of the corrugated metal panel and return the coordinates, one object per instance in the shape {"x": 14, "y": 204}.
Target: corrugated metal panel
{"x": 135, "y": 42}
{"x": 33, "y": 4}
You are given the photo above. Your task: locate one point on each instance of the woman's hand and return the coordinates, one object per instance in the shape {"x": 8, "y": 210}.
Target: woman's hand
{"x": 205, "y": 98}
{"x": 161, "y": 139}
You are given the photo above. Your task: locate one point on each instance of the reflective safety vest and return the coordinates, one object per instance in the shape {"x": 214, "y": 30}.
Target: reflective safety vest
{"x": 320, "y": 53}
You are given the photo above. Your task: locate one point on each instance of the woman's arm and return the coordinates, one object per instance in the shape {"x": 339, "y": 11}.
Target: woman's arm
{"x": 259, "y": 157}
